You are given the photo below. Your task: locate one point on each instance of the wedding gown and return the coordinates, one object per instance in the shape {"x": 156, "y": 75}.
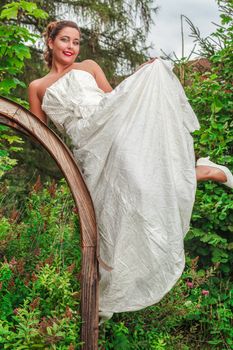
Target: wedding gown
{"x": 135, "y": 151}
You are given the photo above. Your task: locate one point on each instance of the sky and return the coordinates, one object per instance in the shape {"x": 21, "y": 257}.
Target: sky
{"x": 166, "y": 33}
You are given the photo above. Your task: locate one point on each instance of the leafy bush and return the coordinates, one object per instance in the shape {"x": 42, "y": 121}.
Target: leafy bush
{"x": 211, "y": 236}
{"x": 14, "y": 50}
{"x": 14, "y": 47}
{"x": 39, "y": 272}
{"x": 7, "y": 149}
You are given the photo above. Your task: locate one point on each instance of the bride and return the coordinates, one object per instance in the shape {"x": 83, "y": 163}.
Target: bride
{"x": 135, "y": 151}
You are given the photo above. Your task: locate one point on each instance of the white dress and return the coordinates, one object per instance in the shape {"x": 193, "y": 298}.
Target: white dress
{"x": 135, "y": 151}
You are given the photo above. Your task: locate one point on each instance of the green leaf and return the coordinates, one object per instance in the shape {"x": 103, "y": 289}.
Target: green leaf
{"x": 216, "y": 106}
{"x": 9, "y": 13}
{"x": 28, "y": 6}
{"x": 3, "y": 153}
{"x": 38, "y": 13}
{"x": 21, "y": 51}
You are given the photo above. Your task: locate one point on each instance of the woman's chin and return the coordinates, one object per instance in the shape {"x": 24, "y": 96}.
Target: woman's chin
{"x": 67, "y": 60}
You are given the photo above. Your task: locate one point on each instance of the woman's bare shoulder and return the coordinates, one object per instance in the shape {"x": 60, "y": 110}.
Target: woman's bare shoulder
{"x": 88, "y": 60}
{"x": 84, "y": 62}
{"x": 34, "y": 84}
{"x": 38, "y": 86}
{"x": 88, "y": 64}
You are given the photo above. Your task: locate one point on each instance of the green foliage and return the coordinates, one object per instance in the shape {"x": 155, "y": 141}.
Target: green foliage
{"x": 21, "y": 8}
{"x": 7, "y": 148}
{"x": 39, "y": 290}
{"x": 14, "y": 47}
{"x": 211, "y": 236}
{"x": 14, "y": 50}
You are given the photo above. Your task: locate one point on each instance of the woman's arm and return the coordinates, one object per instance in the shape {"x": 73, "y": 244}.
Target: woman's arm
{"x": 34, "y": 101}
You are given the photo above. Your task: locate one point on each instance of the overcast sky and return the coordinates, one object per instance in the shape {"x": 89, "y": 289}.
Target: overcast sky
{"x": 166, "y": 33}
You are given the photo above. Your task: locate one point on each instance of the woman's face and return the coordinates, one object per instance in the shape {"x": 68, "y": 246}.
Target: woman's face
{"x": 65, "y": 46}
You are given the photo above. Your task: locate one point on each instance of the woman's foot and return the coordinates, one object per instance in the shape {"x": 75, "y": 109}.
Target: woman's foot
{"x": 207, "y": 170}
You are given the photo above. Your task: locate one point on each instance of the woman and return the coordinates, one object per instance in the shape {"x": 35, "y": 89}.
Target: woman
{"x": 134, "y": 148}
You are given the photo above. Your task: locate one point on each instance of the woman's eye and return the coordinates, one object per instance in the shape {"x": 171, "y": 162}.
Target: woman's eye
{"x": 64, "y": 39}
{"x": 76, "y": 43}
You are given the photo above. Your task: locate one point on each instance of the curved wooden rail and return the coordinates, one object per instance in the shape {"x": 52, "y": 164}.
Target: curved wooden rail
{"x": 19, "y": 118}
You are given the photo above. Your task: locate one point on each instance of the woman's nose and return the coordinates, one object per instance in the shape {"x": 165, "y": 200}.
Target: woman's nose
{"x": 70, "y": 45}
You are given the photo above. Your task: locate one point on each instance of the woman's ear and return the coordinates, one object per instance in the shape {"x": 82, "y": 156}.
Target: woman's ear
{"x": 50, "y": 43}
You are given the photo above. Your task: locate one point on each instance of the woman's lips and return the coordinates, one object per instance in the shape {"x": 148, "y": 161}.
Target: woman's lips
{"x": 68, "y": 53}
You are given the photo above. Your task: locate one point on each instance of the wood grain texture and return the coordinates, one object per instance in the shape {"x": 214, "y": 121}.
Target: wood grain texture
{"x": 89, "y": 300}
{"x": 19, "y": 118}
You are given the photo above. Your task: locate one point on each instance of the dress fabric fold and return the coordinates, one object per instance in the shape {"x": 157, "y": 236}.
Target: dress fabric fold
{"x": 135, "y": 151}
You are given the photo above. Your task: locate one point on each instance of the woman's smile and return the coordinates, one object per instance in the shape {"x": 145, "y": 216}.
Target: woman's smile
{"x": 68, "y": 53}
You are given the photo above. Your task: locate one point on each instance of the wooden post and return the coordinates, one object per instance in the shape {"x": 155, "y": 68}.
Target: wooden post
{"x": 19, "y": 118}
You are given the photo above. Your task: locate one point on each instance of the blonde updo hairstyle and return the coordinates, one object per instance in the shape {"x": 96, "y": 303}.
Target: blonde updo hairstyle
{"x": 52, "y": 30}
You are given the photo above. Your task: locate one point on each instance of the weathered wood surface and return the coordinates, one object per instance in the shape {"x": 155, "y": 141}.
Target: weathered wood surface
{"x": 19, "y": 118}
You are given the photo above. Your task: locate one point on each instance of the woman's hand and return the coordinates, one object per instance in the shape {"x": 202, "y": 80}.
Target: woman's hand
{"x": 147, "y": 62}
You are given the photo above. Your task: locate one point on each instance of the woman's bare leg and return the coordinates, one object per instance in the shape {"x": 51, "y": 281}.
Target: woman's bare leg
{"x": 205, "y": 173}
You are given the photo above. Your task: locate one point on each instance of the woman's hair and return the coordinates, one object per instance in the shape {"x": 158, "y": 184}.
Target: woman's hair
{"x": 52, "y": 30}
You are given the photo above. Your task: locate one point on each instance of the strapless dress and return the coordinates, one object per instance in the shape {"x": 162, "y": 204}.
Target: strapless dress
{"x": 134, "y": 149}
